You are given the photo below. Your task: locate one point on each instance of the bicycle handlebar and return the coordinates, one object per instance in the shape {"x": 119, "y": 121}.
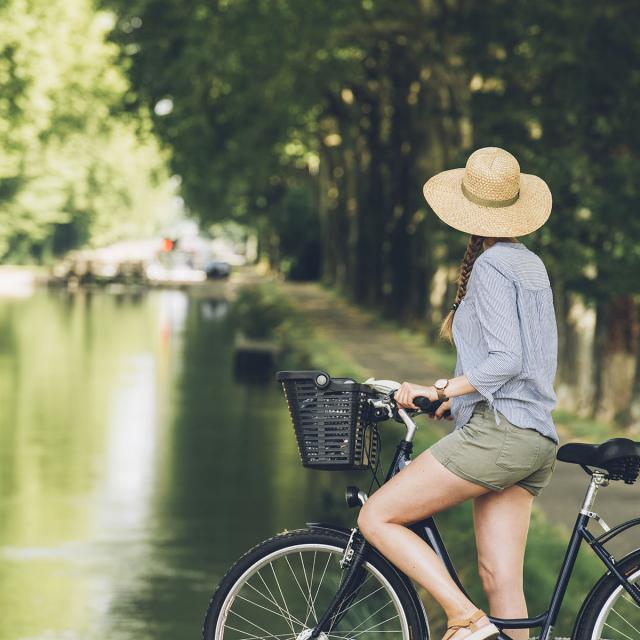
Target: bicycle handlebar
{"x": 427, "y": 406}
{"x": 389, "y": 387}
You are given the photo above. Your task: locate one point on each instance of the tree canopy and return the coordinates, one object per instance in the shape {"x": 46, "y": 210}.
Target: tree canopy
{"x": 74, "y": 167}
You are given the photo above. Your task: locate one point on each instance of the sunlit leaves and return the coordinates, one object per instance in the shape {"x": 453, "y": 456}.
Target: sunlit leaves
{"x": 70, "y": 158}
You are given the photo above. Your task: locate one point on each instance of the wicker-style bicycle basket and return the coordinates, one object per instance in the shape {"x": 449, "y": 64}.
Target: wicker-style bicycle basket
{"x": 331, "y": 419}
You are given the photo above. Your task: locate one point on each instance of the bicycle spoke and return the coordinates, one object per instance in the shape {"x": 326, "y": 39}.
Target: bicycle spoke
{"x": 350, "y": 635}
{"x": 606, "y": 624}
{"x": 299, "y": 587}
{"x": 313, "y": 568}
{"x": 257, "y": 626}
{"x": 342, "y": 611}
{"x": 321, "y": 580}
{"x": 311, "y": 608}
{"x": 284, "y": 601}
{"x": 275, "y": 602}
{"x": 250, "y": 636}
{"x": 623, "y": 618}
{"x": 627, "y": 597}
{"x": 270, "y": 600}
{"x": 361, "y": 600}
{"x": 275, "y": 613}
{"x": 386, "y": 604}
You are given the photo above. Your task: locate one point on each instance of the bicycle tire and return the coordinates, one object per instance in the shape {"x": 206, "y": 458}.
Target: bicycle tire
{"x": 598, "y": 605}
{"x": 414, "y": 625}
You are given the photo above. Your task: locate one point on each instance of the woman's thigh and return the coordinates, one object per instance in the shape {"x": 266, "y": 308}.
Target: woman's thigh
{"x": 421, "y": 489}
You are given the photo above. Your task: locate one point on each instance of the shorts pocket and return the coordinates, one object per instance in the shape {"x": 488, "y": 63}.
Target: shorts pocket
{"x": 520, "y": 449}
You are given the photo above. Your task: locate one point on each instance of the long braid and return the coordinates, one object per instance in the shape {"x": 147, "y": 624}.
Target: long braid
{"x": 473, "y": 251}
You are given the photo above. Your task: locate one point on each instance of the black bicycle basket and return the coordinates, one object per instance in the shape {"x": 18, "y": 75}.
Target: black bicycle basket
{"x": 332, "y": 420}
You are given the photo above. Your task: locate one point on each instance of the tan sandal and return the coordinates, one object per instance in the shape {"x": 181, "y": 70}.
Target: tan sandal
{"x": 477, "y": 633}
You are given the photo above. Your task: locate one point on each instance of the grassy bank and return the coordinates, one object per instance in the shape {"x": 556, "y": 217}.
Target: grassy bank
{"x": 264, "y": 311}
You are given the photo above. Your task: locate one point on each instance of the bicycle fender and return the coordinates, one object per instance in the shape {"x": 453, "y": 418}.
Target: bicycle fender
{"x": 408, "y": 585}
{"x": 620, "y": 528}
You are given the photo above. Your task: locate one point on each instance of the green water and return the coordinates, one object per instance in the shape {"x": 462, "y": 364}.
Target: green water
{"x": 133, "y": 468}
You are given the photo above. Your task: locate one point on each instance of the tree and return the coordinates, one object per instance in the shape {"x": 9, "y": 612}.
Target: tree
{"x": 73, "y": 169}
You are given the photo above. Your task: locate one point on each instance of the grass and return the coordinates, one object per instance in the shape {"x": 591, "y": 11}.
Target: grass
{"x": 573, "y": 427}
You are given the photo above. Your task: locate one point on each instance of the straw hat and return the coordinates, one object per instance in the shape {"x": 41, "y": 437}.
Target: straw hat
{"x": 490, "y": 197}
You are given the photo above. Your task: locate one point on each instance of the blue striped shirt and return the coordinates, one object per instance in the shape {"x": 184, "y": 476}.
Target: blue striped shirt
{"x": 506, "y": 338}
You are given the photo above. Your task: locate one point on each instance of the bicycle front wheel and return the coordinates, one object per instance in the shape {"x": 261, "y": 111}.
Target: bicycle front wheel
{"x": 609, "y": 612}
{"x": 279, "y": 589}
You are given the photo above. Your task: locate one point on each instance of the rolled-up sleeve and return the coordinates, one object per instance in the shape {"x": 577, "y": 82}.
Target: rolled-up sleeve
{"x": 495, "y": 302}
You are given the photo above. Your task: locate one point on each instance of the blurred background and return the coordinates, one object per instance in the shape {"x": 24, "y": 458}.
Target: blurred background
{"x": 194, "y": 195}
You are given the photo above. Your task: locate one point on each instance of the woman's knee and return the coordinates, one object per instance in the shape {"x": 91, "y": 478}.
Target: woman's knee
{"x": 496, "y": 578}
{"x": 371, "y": 519}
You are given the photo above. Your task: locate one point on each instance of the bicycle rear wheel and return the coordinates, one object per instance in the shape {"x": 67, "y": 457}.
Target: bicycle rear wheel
{"x": 609, "y": 613}
{"x": 279, "y": 589}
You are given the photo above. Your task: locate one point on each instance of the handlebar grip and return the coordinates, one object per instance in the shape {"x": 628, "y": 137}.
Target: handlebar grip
{"x": 425, "y": 405}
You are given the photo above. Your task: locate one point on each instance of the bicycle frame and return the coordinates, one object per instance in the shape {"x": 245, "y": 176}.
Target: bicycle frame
{"x": 428, "y": 531}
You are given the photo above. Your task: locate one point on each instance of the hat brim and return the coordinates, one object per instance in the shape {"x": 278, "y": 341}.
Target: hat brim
{"x": 444, "y": 194}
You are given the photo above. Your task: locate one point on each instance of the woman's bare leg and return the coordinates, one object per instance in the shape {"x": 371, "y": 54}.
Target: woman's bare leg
{"x": 422, "y": 489}
{"x": 501, "y": 522}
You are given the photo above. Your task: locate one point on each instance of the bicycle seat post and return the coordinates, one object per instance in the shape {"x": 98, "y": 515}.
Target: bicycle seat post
{"x": 598, "y": 479}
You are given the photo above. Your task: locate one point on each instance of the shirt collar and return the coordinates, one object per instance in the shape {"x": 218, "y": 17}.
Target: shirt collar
{"x": 513, "y": 245}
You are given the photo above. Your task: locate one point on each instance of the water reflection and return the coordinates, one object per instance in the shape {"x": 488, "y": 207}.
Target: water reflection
{"x": 133, "y": 469}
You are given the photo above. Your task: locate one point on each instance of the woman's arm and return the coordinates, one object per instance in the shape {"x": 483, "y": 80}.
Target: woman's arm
{"x": 496, "y": 307}
{"x": 457, "y": 386}
{"x": 495, "y": 302}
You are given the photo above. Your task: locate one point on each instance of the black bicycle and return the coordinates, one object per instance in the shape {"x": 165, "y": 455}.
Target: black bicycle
{"x": 327, "y": 582}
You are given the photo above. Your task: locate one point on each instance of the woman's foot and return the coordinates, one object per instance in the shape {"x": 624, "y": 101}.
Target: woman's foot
{"x": 475, "y": 627}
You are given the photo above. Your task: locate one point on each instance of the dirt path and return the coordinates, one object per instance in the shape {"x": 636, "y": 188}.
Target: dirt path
{"x": 375, "y": 349}
{"x": 381, "y": 352}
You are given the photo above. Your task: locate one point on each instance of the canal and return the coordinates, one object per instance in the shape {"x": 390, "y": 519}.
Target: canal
{"x": 133, "y": 468}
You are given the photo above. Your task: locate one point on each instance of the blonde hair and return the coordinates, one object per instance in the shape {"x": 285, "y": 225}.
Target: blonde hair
{"x": 473, "y": 251}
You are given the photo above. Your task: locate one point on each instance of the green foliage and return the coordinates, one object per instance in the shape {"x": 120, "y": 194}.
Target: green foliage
{"x": 360, "y": 102}
{"x": 263, "y": 311}
{"x": 73, "y": 168}
{"x": 556, "y": 84}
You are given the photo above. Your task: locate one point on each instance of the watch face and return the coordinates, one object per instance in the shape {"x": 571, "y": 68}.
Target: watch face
{"x": 441, "y": 383}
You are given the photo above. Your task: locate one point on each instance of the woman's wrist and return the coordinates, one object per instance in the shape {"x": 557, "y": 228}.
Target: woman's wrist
{"x": 457, "y": 386}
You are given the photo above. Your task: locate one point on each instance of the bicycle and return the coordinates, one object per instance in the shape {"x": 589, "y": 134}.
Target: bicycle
{"x": 338, "y": 586}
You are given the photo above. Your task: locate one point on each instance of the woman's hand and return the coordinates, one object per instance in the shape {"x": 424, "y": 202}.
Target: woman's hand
{"x": 442, "y": 408}
{"x": 408, "y": 391}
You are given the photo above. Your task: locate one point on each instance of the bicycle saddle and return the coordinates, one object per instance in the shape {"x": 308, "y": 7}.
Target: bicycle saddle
{"x": 620, "y": 457}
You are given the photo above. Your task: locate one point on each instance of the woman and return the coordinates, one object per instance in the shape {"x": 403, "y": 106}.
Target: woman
{"x": 502, "y": 450}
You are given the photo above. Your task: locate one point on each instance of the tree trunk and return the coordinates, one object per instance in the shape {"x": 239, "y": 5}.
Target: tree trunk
{"x": 616, "y": 346}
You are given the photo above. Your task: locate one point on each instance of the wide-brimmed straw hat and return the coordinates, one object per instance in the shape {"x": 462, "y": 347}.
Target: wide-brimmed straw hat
{"x": 490, "y": 197}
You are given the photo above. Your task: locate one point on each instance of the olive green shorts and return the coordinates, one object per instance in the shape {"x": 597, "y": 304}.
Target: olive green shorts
{"x": 497, "y": 456}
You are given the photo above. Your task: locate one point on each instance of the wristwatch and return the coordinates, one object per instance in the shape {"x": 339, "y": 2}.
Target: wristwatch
{"x": 441, "y": 384}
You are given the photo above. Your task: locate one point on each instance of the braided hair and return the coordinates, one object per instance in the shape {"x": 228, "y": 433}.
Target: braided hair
{"x": 473, "y": 251}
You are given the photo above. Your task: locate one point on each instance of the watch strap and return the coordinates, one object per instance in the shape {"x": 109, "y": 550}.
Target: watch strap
{"x": 442, "y": 396}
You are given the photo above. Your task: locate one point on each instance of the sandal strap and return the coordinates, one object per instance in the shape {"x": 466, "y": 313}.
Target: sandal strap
{"x": 449, "y": 633}
{"x": 460, "y": 623}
